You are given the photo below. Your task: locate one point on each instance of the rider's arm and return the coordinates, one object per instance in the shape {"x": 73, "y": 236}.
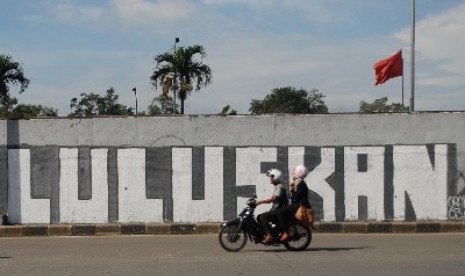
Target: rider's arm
{"x": 272, "y": 199}
{"x": 291, "y": 186}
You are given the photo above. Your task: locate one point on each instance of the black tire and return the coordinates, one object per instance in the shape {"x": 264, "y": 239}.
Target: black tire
{"x": 232, "y": 240}
{"x": 301, "y": 237}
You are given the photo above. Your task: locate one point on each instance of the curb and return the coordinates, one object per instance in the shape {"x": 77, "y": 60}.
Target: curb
{"x": 113, "y": 229}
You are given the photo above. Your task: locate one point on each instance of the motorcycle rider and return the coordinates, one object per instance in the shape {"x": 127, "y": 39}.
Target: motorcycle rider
{"x": 278, "y": 199}
{"x": 299, "y": 196}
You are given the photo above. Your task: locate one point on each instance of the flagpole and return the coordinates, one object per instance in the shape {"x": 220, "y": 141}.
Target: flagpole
{"x": 402, "y": 85}
{"x": 412, "y": 61}
{"x": 402, "y": 80}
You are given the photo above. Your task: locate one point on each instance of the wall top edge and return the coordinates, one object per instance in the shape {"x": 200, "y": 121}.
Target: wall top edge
{"x": 245, "y": 115}
{"x": 235, "y": 146}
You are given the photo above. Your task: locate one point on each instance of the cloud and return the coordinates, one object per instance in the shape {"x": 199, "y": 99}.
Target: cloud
{"x": 66, "y": 11}
{"x": 249, "y": 3}
{"x": 147, "y": 12}
{"x": 315, "y": 11}
{"x": 127, "y": 14}
{"x": 439, "y": 48}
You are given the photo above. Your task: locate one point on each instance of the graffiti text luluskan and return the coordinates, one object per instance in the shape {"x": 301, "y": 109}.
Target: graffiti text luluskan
{"x": 210, "y": 184}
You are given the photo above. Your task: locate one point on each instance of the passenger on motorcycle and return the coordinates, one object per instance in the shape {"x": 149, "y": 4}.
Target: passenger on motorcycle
{"x": 299, "y": 196}
{"x": 278, "y": 199}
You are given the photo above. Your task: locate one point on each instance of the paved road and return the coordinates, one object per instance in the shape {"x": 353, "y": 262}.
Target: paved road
{"x": 329, "y": 254}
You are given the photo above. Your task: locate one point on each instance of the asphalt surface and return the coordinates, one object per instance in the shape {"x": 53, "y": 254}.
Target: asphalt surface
{"x": 329, "y": 254}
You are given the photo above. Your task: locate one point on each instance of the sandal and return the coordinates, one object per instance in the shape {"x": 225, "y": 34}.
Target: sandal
{"x": 284, "y": 237}
{"x": 267, "y": 240}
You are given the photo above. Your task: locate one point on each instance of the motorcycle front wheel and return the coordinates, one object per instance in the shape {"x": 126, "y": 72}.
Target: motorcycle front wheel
{"x": 232, "y": 239}
{"x": 300, "y": 239}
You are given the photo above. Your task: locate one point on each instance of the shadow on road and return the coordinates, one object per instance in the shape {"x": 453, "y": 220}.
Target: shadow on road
{"x": 335, "y": 248}
{"x": 331, "y": 249}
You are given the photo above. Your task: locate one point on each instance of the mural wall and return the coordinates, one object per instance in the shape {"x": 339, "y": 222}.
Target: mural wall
{"x": 202, "y": 168}
{"x": 211, "y": 184}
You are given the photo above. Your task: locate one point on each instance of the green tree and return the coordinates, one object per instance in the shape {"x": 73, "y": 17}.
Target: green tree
{"x": 380, "y": 105}
{"x": 11, "y": 73}
{"x": 290, "y": 100}
{"x": 317, "y": 104}
{"x": 183, "y": 67}
{"x": 7, "y": 109}
{"x": 161, "y": 105}
{"x": 93, "y": 105}
{"x": 154, "y": 109}
{"x": 227, "y": 110}
{"x": 28, "y": 111}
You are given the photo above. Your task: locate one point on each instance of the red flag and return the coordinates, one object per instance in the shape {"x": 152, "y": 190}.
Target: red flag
{"x": 389, "y": 68}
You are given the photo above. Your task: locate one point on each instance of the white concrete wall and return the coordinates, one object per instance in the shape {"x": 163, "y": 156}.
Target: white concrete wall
{"x": 427, "y": 155}
{"x": 133, "y": 204}
{"x": 72, "y": 209}
{"x": 369, "y": 183}
{"x": 21, "y": 207}
{"x": 185, "y": 208}
{"x": 423, "y": 183}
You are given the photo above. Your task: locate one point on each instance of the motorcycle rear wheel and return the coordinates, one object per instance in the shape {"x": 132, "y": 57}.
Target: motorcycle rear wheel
{"x": 300, "y": 239}
{"x": 231, "y": 239}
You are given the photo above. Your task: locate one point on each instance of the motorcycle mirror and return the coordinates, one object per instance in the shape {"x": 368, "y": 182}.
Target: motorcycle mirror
{"x": 254, "y": 195}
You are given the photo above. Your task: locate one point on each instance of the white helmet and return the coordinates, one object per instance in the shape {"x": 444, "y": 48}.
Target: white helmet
{"x": 300, "y": 172}
{"x": 275, "y": 174}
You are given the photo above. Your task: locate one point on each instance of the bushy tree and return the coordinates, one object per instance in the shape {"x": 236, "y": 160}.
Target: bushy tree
{"x": 380, "y": 105}
{"x": 93, "y": 105}
{"x": 161, "y": 105}
{"x": 290, "y": 100}
{"x": 227, "y": 110}
{"x": 317, "y": 104}
{"x": 26, "y": 111}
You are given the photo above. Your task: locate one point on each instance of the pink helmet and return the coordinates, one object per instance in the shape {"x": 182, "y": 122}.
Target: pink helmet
{"x": 300, "y": 172}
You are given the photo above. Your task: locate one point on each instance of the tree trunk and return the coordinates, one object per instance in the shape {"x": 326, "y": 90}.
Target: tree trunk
{"x": 182, "y": 97}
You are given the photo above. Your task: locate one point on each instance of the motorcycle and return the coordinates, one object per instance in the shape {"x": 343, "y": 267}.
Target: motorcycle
{"x": 233, "y": 234}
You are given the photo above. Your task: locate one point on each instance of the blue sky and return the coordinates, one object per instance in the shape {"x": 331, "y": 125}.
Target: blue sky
{"x": 71, "y": 47}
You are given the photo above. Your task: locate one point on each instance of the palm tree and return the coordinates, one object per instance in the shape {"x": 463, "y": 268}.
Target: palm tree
{"x": 182, "y": 67}
{"x": 11, "y": 72}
